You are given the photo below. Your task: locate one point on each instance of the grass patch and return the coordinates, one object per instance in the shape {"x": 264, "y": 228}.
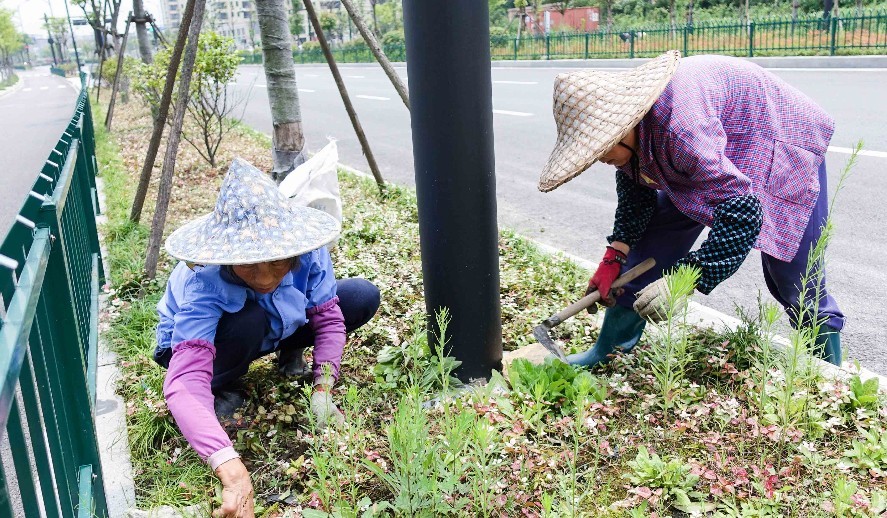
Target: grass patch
{"x": 546, "y": 440}
{"x": 8, "y": 82}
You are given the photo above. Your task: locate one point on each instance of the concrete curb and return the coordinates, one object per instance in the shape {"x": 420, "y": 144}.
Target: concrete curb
{"x": 110, "y": 410}
{"x": 825, "y": 62}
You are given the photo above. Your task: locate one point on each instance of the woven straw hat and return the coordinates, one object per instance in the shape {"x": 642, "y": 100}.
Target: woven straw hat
{"x": 594, "y": 110}
{"x": 253, "y": 222}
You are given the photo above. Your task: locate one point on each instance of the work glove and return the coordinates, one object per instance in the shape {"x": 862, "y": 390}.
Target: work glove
{"x": 652, "y": 302}
{"x": 603, "y": 278}
{"x": 325, "y": 411}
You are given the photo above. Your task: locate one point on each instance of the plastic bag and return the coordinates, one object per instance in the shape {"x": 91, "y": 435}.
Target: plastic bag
{"x": 315, "y": 183}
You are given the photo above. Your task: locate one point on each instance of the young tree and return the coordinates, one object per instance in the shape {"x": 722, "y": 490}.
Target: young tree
{"x": 164, "y": 191}
{"x": 287, "y": 138}
{"x": 11, "y": 41}
{"x": 297, "y": 24}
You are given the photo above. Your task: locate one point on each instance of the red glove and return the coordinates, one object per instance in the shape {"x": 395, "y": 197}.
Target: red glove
{"x": 603, "y": 278}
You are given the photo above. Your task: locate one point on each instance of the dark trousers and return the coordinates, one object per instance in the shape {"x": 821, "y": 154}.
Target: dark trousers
{"x": 671, "y": 234}
{"x": 239, "y": 336}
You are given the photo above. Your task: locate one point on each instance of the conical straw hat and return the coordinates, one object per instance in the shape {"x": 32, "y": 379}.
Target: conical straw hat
{"x": 253, "y": 222}
{"x": 594, "y": 110}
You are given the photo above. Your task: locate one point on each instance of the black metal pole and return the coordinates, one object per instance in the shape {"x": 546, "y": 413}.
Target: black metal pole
{"x": 448, "y": 62}
{"x": 73, "y": 39}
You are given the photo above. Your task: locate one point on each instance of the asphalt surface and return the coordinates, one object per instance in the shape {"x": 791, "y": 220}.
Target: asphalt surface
{"x": 576, "y": 217}
{"x": 32, "y": 118}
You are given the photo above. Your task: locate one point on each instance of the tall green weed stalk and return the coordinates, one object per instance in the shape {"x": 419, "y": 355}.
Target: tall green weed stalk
{"x": 670, "y": 345}
{"x": 800, "y": 371}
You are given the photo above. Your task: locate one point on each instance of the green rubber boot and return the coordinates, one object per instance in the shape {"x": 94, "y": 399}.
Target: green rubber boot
{"x": 622, "y": 328}
{"x": 828, "y": 344}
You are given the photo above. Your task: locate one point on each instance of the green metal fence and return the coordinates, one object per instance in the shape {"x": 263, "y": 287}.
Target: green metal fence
{"x": 50, "y": 273}
{"x": 863, "y": 33}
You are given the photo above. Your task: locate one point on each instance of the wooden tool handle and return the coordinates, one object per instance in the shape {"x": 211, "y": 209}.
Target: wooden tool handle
{"x": 595, "y": 296}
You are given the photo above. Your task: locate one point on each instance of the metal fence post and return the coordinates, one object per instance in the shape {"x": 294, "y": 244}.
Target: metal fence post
{"x": 631, "y": 44}
{"x": 547, "y": 46}
{"x": 587, "y": 37}
{"x": 686, "y": 30}
{"x": 751, "y": 39}
{"x": 516, "y": 43}
{"x": 834, "y": 35}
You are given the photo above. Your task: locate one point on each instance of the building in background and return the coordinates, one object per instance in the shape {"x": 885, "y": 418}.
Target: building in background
{"x": 549, "y": 18}
{"x": 236, "y": 19}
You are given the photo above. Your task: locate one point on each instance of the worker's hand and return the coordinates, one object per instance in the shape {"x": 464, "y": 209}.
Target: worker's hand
{"x": 652, "y": 302}
{"x": 603, "y": 278}
{"x": 325, "y": 411}
{"x": 237, "y": 491}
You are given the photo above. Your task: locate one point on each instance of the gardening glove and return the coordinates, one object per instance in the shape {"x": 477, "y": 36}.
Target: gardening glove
{"x": 325, "y": 411}
{"x": 237, "y": 491}
{"x": 652, "y": 302}
{"x": 603, "y": 278}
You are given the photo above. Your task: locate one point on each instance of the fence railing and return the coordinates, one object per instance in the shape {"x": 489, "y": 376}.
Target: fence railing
{"x": 863, "y": 33}
{"x": 50, "y": 273}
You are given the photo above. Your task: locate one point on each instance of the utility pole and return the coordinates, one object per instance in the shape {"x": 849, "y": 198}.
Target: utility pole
{"x": 451, "y": 103}
{"x": 73, "y": 39}
{"x": 50, "y": 41}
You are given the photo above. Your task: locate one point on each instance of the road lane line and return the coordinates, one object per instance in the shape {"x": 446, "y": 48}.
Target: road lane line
{"x": 373, "y": 97}
{"x": 27, "y": 89}
{"x": 306, "y": 90}
{"x": 312, "y": 75}
{"x": 356, "y": 77}
{"x": 44, "y": 88}
{"x": 260, "y": 86}
{"x": 864, "y": 152}
{"x": 516, "y": 82}
{"x": 516, "y": 114}
{"x": 61, "y": 86}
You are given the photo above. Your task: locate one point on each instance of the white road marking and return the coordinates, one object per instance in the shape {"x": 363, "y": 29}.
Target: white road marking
{"x": 373, "y": 97}
{"x": 516, "y": 82}
{"x": 61, "y": 86}
{"x": 260, "y": 86}
{"x": 306, "y": 90}
{"x": 864, "y": 152}
{"x": 516, "y": 114}
{"x": 356, "y": 77}
{"x": 311, "y": 75}
{"x": 26, "y": 89}
{"x": 44, "y": 88}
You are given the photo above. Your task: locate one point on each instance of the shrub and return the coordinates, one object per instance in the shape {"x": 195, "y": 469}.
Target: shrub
{"x": 394, "y": 38}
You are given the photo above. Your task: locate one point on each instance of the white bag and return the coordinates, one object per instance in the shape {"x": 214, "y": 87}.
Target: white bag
{"x": 315, "y": 183}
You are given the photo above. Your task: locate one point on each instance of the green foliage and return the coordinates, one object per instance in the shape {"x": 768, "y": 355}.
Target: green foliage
{"x": 11, "y": 40}
{"x": 412, "y": 362}
{"x": 297, "y": 22}
{"x": 865, "y": 395}
{"x": 670, "y": 349}
{"x": 555, "y": 384}
{"x": 870, "y": 453}
{"x": 671, "y": 475}
{"x": 394, "y": 38}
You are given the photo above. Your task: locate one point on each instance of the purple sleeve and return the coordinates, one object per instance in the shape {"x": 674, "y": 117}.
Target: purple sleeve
{"x": 190, "y": 401}
{"x": 328, "y": 324}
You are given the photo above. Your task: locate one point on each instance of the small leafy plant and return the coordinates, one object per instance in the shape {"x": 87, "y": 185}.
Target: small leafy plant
{"x": 870, "y": 453}
{"x": 671, "y": 475}
{"x": 866, "y": 394}
{"x": 555, "y": 384}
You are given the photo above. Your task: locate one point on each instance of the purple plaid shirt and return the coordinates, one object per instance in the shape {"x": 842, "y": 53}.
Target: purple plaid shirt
{"x": 725, "y": 127}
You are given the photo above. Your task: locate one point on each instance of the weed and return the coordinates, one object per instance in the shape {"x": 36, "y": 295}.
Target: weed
{"x": 672, "y": 476}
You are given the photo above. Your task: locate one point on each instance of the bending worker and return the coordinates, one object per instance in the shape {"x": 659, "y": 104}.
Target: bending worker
{"x": 255, "y": 277}
{"x": 704, "y": 141}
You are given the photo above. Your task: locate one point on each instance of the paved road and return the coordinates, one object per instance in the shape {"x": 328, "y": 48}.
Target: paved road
{"x": 32, "y": 119}
{"x": 576, "y": 217}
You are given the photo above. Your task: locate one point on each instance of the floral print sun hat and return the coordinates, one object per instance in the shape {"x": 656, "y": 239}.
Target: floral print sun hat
{"x": 253, "y": 222}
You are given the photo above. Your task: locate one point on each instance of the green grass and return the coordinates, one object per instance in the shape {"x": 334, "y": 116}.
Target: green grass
{"x": 8, "y": 82}
{"x": 526, "y": 442}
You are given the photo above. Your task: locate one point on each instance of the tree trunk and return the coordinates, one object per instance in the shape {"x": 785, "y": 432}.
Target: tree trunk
{"x": 364, "y": 144}
{"x": 287, "y": 139}
{"x": 172, "y": 146}
{"x": 162, "y": 113}
{"x": 377, "y": 51}
{"x": 145, "y": 50}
